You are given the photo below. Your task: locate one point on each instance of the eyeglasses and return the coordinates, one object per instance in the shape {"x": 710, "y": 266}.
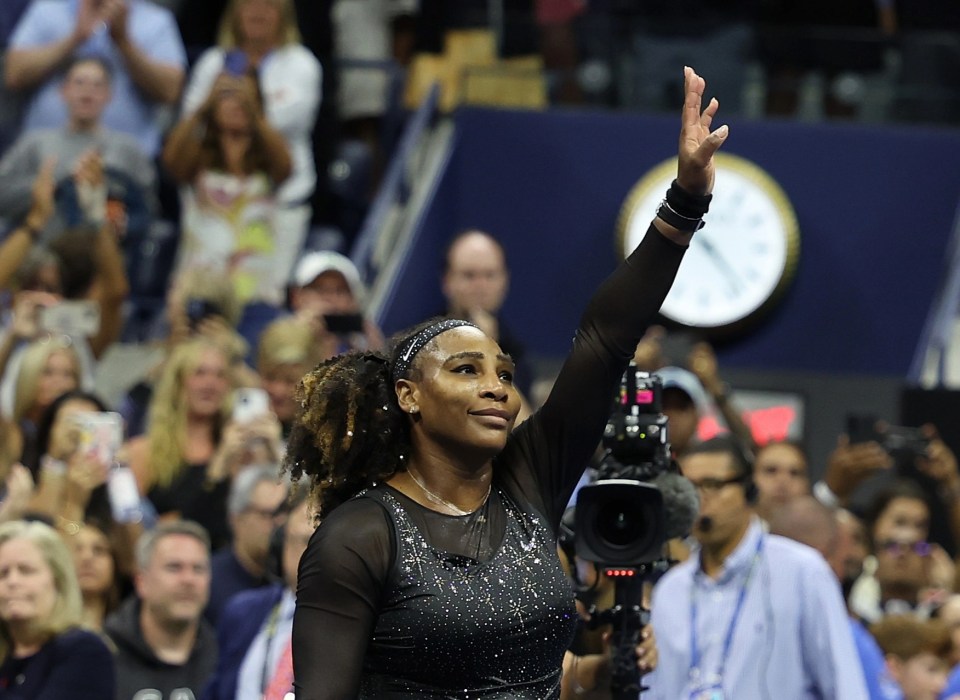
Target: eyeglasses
{"x": 919, "y": 548}
{"x": 711, "y": 485}
{"x": 263, "y": 513}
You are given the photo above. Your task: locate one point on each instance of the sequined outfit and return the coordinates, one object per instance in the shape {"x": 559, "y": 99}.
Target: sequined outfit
{"x": 398, "y": 601}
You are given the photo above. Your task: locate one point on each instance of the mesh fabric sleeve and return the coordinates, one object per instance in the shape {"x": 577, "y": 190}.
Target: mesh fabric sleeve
{"x": 342, "y": 576}
{"x": 547, "y": 454}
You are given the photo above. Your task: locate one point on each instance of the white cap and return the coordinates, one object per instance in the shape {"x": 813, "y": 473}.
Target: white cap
{"x": 314, "y": 264}
{"x": 687, "y": 382}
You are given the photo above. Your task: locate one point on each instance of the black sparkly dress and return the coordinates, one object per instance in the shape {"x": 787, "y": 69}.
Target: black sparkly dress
{"x": 398, "y": 601}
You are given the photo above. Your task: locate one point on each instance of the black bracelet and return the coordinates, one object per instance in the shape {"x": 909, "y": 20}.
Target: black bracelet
{"x": 689, "y": 206}
{"x": 682, "y": 210}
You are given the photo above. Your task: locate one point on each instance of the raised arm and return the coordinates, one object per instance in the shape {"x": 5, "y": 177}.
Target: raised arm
{"x": 159, "y": 80}
{"x": 17, "y": 245}
{"x": 571, "y": 421}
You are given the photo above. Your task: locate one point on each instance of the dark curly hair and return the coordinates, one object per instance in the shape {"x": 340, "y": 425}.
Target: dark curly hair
{"x": 350, "y": 433}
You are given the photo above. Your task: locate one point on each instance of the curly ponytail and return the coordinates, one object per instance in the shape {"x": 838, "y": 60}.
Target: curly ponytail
{"x": 349, "y": 432}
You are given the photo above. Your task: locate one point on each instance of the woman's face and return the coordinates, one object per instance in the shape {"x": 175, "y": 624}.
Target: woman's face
{"x": 58, "y": 376}
{"x": 259, "y": 21}
{"x": 230, "y": 116}
{"x": 92, "y": 559}
{"x": 27, "y": 590}
{"x": 280, "y": 382}
{"x": 63, "y": 432}
{"x": 206, "y": 385}
{"x": 464, "y": 394}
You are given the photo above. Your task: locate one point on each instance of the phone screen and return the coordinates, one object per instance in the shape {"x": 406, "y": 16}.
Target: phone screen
{"x": 249, "y": 404}
{"x": 344, "y": 323}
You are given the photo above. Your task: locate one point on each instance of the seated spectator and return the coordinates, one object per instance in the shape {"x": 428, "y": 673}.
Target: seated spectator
{"x": 780, "y": 473}
{"x": 72, "y": 485}
{"x": 329, "y": 295}
{"x": 165, "y": 648}
{"x": 917, "y": 654}
{"x": 129, "y": 173}
{"x": 231, "y": 162}
{"x": 684, "y": 403}
{"x": 47, "y": 368}
{"x": 200, "y": 304}
{"x": 192, "y": 449}
{"x": 256, "y": 625}
{"x": 261, "y": 38}
{"x": 139, "y": 40}
{"x": 14, "y": 476}
{"x": 287, "y": 351}
{"x": 97, "y": 574}
{"x": 45, "y": 652}
{"x": 257, "y": 496}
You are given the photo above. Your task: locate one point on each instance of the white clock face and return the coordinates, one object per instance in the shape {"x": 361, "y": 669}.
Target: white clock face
{"x": 739, "y": 260}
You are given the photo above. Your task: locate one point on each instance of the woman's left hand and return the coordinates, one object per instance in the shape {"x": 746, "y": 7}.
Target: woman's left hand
{"x": 695, "y": 168}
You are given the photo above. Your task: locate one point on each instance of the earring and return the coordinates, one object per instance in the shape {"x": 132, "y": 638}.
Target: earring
{"x": 414, "y": 409}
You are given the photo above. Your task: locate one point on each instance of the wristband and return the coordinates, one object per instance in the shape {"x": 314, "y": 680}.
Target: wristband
{"x": 682, "y": 210}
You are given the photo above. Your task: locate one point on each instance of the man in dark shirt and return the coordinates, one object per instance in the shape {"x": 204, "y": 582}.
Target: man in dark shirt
{"x": 165, "y": 650}
{"x": 254, "y": 508}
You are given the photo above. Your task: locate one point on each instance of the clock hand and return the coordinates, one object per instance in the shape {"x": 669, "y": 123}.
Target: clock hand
{"x": 732, "y": 277}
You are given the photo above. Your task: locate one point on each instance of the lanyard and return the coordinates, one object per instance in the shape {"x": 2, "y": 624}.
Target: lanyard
{"x": 728, "y": 639}
{"x": 272, "y": 622}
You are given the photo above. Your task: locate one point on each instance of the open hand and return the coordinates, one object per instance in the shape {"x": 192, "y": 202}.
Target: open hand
{"x": 695, "y": 169}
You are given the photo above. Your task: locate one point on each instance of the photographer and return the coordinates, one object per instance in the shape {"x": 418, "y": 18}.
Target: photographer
{"x": 867, "y": 462}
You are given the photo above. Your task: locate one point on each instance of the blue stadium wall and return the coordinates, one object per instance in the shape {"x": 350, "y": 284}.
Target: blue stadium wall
{"x": 875, "y": 205}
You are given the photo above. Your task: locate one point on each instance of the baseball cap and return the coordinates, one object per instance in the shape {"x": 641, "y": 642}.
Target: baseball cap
{"x": 687, "y": 382}
{"x": 314, "y": 264}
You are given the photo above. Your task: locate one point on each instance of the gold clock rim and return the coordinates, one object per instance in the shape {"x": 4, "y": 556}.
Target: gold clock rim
{"x": 766, "y": 182}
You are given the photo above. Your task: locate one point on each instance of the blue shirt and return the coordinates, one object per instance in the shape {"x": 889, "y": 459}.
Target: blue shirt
{"x": 791, "y": 639}
{"x": 871, "y": 659}
{"x": 152, "y": 29}
{"x": 953, "y": 685}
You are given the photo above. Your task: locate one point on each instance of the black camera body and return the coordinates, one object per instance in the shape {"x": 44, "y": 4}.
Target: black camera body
{"x": 897, "y": 440}
{"x": 621, "y": 518}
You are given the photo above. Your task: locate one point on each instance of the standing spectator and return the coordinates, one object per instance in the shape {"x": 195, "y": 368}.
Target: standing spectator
{"x": 750, "y": 613}
{"x": 45, "y": 653}
{"x": 475, "y": 284}
{"x": 164, "y": 646}
{"x": 256, "y": 497}
{"x": 86, "y": 92}
{"x": 780, "y": 473}
{"x": 138, "y": 39}
{"x": 261, "y": 38}
{"x": 231, "y": 161}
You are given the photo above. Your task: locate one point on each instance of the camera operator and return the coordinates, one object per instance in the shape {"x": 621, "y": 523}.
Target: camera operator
{"x": 587, "y": 671}
{"x": 749, "y": 615}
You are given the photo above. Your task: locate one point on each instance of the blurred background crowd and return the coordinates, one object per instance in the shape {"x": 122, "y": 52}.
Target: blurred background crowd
{"x": 186, "y": 191}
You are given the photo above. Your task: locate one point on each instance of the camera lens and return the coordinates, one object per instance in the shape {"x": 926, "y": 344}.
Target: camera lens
{"x": 621, "y": 524}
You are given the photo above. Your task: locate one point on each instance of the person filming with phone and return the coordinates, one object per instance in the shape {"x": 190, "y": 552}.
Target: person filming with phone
{"x": 329, "y": 295}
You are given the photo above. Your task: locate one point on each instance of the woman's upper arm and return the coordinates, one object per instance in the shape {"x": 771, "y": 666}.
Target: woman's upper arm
{"x": 341, "y": 580}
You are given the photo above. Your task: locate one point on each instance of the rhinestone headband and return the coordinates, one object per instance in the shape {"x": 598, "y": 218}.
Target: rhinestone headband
{"x": 415, "y": 344}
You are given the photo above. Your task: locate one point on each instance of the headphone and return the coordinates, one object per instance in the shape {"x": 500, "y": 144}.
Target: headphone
{"x": 750, "y": 491}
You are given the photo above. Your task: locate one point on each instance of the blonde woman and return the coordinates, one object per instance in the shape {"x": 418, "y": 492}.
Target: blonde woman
{"x": 260, "y": 37}
{"x": 192, "y": 448}
{"x": 46, "y": 655}
{"x": 46, "y": 368}
{"x": 288, "y": 349}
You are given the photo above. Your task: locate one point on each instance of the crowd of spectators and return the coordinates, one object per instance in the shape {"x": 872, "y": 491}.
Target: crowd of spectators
{"x": 169, "y": 535}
